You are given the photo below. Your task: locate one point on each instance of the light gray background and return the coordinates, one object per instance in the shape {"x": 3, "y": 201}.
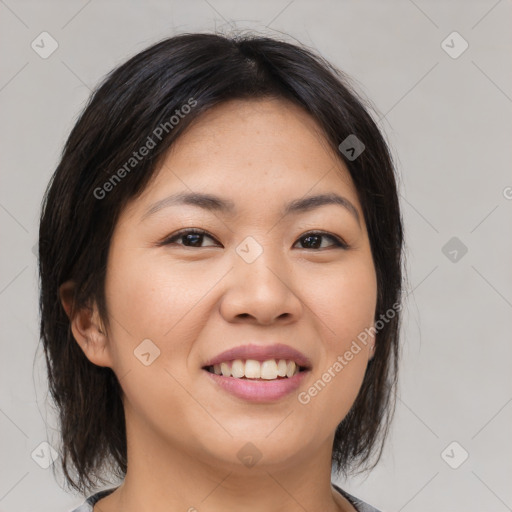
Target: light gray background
{"x": 449, "y": 122}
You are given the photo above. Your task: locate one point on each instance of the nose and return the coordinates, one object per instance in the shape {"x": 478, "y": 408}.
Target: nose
{"x": 262, "y": 292}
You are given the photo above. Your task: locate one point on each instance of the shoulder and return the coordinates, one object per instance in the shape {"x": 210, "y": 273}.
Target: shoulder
{"x": 88, "y": 504}
{"x": 358, "y": 504}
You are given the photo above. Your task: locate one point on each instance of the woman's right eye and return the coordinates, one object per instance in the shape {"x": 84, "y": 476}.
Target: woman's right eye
{"x": 188, "y": 237}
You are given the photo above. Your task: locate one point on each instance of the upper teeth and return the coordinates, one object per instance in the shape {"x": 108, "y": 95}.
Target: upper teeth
{"x": 252, "y": 369}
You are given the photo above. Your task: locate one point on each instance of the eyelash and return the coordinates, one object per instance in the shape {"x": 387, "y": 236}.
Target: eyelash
{"x": 338, "y": 242}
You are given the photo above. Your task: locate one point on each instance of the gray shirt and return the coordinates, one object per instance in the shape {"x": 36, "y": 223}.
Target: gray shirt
{"x": 359, "y": 505}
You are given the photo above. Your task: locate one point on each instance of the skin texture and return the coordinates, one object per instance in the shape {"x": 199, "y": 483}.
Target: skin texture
{"x": 194, "y": 302}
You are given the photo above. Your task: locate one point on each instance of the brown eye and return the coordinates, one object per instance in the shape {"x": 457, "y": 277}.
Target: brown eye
{"x": 188, "y": 238}
{"x": 313, "y": 240}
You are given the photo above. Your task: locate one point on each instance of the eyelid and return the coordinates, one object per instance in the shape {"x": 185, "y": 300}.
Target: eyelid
{"x": 185, "y": 231}
{"x": 338, "y": 241}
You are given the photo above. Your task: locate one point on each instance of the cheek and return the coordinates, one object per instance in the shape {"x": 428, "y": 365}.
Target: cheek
{"x": 346, "y": 308}
{"x": 151, "y": 305}
{"x": 152, "y": 297}
{"x": 345, "y": 302}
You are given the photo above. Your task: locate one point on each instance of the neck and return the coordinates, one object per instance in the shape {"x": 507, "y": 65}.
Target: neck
{"x": 162, "y": 477}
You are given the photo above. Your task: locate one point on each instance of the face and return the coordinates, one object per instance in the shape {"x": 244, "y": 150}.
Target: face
{"x": 254, "y": 275}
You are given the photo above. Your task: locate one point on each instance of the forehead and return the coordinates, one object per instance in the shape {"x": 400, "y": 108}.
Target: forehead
{"x": 252, "y": 151}
{"x": 262, "y": 130}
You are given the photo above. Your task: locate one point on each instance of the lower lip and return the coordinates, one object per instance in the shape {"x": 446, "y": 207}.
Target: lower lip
{"x": 259, "y": 390}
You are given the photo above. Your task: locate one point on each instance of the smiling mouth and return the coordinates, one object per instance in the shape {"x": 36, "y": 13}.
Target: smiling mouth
{"x": 251, "y": 369}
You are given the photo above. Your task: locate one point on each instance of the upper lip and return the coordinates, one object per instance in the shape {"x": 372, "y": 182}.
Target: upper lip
{"x": 261, "y": 353}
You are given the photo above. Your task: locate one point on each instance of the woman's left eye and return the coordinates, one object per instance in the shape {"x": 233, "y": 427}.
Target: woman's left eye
{"x": 194, "y": 237}
{"x": 313, "y": 237}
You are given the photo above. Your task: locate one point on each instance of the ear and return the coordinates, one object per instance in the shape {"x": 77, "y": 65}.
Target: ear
{"x": 86, "y": 327}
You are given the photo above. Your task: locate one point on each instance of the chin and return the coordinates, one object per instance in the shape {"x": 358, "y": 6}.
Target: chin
{"x": 262, "y": 451}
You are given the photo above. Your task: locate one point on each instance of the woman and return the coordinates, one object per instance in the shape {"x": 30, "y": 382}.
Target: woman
{"x": 220, "y": 264}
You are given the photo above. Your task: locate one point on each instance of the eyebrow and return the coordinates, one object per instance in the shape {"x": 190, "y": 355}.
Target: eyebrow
{"x": 214, "y": 203}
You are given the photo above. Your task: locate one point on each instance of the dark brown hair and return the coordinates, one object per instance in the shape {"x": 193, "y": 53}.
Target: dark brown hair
{"x": 77, "y": 221}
